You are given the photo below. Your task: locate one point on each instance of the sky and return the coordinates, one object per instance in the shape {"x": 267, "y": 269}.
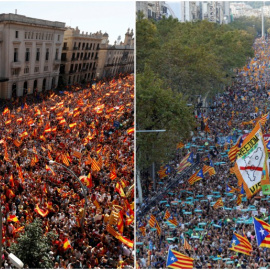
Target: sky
{"x": 113, "y": 17}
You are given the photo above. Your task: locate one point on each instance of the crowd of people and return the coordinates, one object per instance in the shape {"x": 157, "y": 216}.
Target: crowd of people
{"x": 89, "y": 131}
{"x": 209, "y": 231}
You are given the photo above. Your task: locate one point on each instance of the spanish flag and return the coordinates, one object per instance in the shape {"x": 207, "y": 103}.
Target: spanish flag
{"x": 12, "y": 218}
{"x": 17, "y": 143}
{"x": 73, "y": 125}
{"x": 120, "y": 224}
{"x": 7, "y": 122}
{"x": 95, "y": 202}
{"x": 40, "y": 211}
{"x": 66, "y": 244}
{"x": 6, "y": 110}
{"x": 130, "y": 130}
{"x": 11, "y": 180}
{"x": 113, "y": 175}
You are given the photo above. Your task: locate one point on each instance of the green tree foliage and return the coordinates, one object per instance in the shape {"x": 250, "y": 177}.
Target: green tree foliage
{"x": 174, "y": 63}
{"x": 33, "y": 247}
{"x": 158, "y": 107}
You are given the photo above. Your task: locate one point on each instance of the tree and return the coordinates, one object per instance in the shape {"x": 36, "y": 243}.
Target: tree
{"x": 33, "y": 247}
{"x": 158, "y": 107}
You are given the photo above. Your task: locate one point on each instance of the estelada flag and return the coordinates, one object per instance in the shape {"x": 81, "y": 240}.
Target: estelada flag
{"x": 251, "y": 166}
{"x": 40, "y": 211}
{"x": 66, "y": 244}
{"x": 12, "y": 218}
{"x": 178, "y": 260}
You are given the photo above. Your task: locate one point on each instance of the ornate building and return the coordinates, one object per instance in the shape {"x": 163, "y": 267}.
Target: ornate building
{"x": 117, "y": 58}
{"x": 79, "y": 56}
{"x": 30, "y": 51}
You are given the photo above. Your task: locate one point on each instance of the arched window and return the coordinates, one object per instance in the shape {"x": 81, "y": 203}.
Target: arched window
{"x": 44, "y": 85}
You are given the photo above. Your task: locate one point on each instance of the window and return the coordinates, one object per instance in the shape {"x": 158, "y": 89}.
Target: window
{"x": 15, "y": 71}
{"x": 45, "y": 68}
{"x": 37, "y": 54}
{"x": 58, "y": 38}
{"x": 36, "y": 69}
{"x": 26, "y": 70}
{"x": 15, "y": 54}
{"x": 79, "y": 46}
{"x": 36, "y": 35}
{"x": 94, "y": 46}
{"x": 27, "y": 55}
{"x": 83, "y": 46}
{"x": 16, "y": 34}
{"x": 56, "y": 54}
{"x": 47, "y": 54}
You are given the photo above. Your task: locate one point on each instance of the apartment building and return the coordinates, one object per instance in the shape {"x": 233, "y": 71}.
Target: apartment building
{"x": 30, "y": 51}
{"x": 79, "y": 56}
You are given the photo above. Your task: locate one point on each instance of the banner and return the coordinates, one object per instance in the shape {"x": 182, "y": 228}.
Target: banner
{"x": 251, "y": 166}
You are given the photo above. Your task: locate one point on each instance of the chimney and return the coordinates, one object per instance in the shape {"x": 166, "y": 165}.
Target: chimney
{"x": 15, "y": 11}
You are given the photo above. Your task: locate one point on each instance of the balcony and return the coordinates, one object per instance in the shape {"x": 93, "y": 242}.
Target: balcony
{"x": 65, "y": 49}
{"x": 71, "y": 71}
{"x": 16, "y": 64}
{"x": 75, "y": 48}
{"x": 74, "y": 59}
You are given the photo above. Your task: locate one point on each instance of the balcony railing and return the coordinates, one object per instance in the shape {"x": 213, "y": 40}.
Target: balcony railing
{"x": 65, "y": 48}
{"x": 75, "y": 48}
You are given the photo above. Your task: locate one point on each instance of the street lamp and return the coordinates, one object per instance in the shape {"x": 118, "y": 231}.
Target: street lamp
{"x": 52, "y": 162}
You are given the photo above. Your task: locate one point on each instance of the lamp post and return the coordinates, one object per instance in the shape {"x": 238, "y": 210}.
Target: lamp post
{"x": 51, "y": 162}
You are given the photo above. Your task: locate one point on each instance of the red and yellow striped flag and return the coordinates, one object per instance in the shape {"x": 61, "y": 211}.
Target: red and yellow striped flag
{"x": 40, "y": 211}
{"x": 187, "y": 245}
{"x": 94, "y": 165}
{"x": 152, "y": 221}
{"x": 218, "y": 204}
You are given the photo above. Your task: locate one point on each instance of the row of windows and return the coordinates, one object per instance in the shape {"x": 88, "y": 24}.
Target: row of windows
{"x": 80, "y": 67}
{"x": 85, "y": 46}
{"x": 35, "y": 35}
{"x": 79, "y": 78}
{"x": 27, "y": 54}
{"x": 16, "y": 71}
{"x": 85, "y": 57}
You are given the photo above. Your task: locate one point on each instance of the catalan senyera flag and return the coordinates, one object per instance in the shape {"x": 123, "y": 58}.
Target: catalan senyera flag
{"x": 208, "y": 169}
{"x": 12, "y": 218}
{"x": 264, "y": 119}
{"x": 119, "y": 189}
{"x": 40, "y": 211}
{"x": 65, "y": 159}
{"x": 262, "y": 230}
{"x": 186, "y": 162}
{"x": 77, "y": 154}
{"x": 158, "y": 228}
{"x": 152, "y": 221}
{"x": 178, "y": 260}
{"x": 167, "y": 214}
{"x": 180, "y": 145}
{"x": 239, "y": 199}
{"x": 113, "y": 175}
{"x": 240, "y": 244}
{"x": 218, "y": 204}
{"x": 94, "y": 165}
{"x": 187, "y": 245}
{"x": 143, "y": 230}
{"x": 66, "y": 244}
{"x": 234, "y": 150}
{"x": 251, "y": 167}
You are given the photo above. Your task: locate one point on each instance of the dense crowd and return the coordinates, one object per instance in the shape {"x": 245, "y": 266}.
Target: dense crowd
{"x": 209, "y": 232}
{"x": 89, "y": 131}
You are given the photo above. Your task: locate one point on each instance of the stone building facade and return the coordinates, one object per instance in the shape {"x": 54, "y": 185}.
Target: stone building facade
{"x": 79, "y": 56}
{"x": 30, "y": 52}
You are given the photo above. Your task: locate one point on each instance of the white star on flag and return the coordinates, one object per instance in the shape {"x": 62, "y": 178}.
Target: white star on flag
{"x": 172, "y": 258}
{"x": 261, "y": 231}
